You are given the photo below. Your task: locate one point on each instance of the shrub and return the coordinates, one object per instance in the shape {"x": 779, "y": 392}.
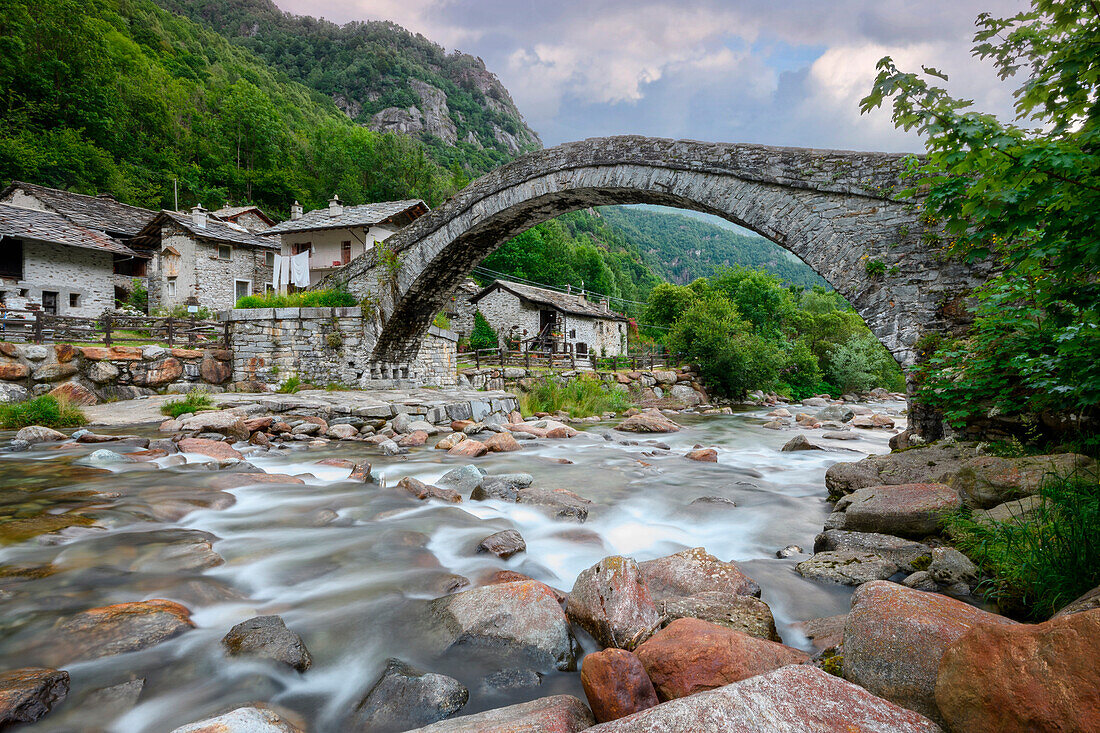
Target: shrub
{"x": 483, "y": 336}
{"x": 139, "y": 296}
{"x": 875, "y": 268}
{"x": 442, "y": 321}
{"x": 862, "y": 363}
{"x": 1039, "y": 562}
{"x": 578, "y": 397}
{"x": 47, "y": 410}
{"x": 291, "y": 385}
{"x": 301, "y": 299}
{"x": 194, "y": 401}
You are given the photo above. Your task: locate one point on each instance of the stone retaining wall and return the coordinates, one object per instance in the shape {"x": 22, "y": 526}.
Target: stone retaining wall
{"x": 87, "y": 375}
{"x": 678, "y": 385}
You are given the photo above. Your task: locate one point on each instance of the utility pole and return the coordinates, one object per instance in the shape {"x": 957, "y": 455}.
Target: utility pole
{"x": 175, "y": 194}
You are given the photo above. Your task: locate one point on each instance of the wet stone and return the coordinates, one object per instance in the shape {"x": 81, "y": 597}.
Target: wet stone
{"x": 267, "y": 637}
{"x": 28, "y": 694}
{"x": 405, "y": 697}
{"x": 503, "y": 544}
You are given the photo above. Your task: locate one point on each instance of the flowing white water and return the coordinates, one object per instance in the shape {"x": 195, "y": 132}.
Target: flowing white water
{"x": 352, "y": 586}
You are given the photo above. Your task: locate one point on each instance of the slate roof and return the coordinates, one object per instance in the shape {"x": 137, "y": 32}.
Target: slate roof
{"x": 95, "y": 212}
{"x": 352, "y": 216}
{"x": 18, "y": 222}
{"x": 231, "y": 212}
{"x": 563, "y": 302}
{"x": 215, "y": 231}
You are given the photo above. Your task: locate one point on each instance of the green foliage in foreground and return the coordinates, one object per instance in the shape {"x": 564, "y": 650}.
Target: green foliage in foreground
{"x": 47, "y": 410}
{"x": 579, "y": 397}
{"x": 291, "y": 385}
{"x": 1042, "y": 561}
{"x": 1028, "y": 198}
{"x": 483, "y": 336}
{"x": 749, "y": 330}
{"x": 194, "y": 401}
{"x": 303, "y": 299}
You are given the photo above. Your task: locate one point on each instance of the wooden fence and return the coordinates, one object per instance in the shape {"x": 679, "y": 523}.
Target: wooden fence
{"x": 550, "y": 361}
{"x": 38, "y": 327}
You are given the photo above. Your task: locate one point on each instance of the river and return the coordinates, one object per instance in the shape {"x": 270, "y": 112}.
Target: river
{"x": 347, "y": 565}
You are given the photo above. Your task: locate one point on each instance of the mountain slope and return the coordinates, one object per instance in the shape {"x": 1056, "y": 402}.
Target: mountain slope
{"x": 381, "y": 76}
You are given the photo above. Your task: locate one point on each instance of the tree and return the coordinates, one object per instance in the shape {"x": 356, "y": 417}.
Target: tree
{"x": 1026, "y": 197}
{"x": 483, "y": 336}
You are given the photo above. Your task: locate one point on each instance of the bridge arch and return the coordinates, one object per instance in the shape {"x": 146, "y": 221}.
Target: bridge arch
{"x": 835, "y": 210}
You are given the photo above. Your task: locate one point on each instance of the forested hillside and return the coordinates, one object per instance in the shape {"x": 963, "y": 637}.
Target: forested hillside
{"x": 383, "y": 77}
{"x": 681, "y": 248}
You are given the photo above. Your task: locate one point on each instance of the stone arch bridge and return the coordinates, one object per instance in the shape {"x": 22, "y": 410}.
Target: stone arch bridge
{"x": 835, "y": 210}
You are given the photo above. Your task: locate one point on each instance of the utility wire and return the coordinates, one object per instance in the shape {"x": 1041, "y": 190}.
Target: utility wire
{"x": 491, "y": 273}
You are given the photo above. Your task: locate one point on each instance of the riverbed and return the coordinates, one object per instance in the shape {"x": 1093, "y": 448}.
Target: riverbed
{"x": 349, "y": 566}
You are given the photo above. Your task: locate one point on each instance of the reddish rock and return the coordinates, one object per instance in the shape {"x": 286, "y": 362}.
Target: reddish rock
{"x": 792, "y": 699}
{"x": 459, "y": 426}
{"x": 424, "y": 491}
{"x": 215, "y": 449}
{"x": 497, "y": 577}
{"x": 75, "y": 393}
{"x": 469, "y": 448}
{"x": 690, "y": 656}
{"x": 27, "y": 694}
{"x": 414, "y": 439}
{"x": 695, "y": 571}
{"x": 616, "y": 684}
{"x": 258, "y": 423}
{"x": 515, "y": 416}
{"x": 252, "y": 719}
{"x": 114, "y": 353}
{"x": 650, "y": 421}
{"x": 823, "y": 633}
{"x": 706, "y": 455}
{"x": 556, "y": 714}
{"x": 191, "y": 354}
{"x": 13, "y": 370}
{"x": 64, "y": 352}
{"x": 157, "y": 373}
{"x": 1017, "y": 679}
{"x": 905, "y": 510}
{"x": 502, "y": 443}
{"x": 361, "y": 472}
{"x": 9, "y": 349}
{"x": 115, "y": 629}
{"x": 610, "y": 600}
{"x": 148, "y": 455}
{"x": 214, "y": 371}
{"x": 338, "y": 462}
{"x": 895, "y": 637}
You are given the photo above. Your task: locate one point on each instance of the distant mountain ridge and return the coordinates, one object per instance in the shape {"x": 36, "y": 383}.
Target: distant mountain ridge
{"x": 382, "y": 77}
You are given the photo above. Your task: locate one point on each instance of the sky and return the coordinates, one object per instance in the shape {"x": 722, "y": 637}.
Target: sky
{"x": 777, "y": 72}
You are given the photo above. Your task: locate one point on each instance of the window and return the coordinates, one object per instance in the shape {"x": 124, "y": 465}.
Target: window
{"x": 49, "y": 301}
{"x": 300, "y": 247}
{"x": 11, "y": 259}
{"x": 74, "y": 300}
{"x": 171, "y": 290}
{"x": 269, "y": 259}
{"x": 242, "y": 288}
{"x": 225, "y": 252}
{"x": 345, "y": 252}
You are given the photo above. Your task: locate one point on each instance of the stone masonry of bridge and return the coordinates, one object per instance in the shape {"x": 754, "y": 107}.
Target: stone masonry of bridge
{"x": 836, "y": 210}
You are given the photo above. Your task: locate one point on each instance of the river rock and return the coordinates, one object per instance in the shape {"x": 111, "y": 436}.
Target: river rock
{"x": 556, "y": 714}
{"x": 815, "y": 402}
{"x": 242, "y": 720}
{"x": 405, "y": 697}
{"x": 986, "y": 481}
{"x": 267, "y": 637}
{"x": 847, "y": 567}
{"x": 610, "y": 601}
{"x": 391, "y": 448}
{"x": 39, "y": 434}
{"x": 469, "y": 448}
{"x": 904, "y": 553}
{"x": 413, "y": 439}
{"x": 1023, "y": 678}
{"x": 215, "y": 449}
{"x": 616, "y": 684}
{"x": 342, "y": 432}
{"x": 115, "y": 629}
{"x": 799, "y": 443}
{"x": 895, "y": 637}
{"x": 28, "y": 694}
{"x": 740, "y": 613}
{"x": 558, "y": 503}
{"x": 503, "y": 486}
{"x": 424, "y": 491}
{"x": 921, "y": 580}
{"x": 521, "y": 618}
{"x": 685, "y": 395}
{"x": 694, "y": 571}
{"x": 690, "y": 656}
{"x": 75, "y": 393}
{"x": 650, "y": 421}
{"x": 462, "y": 479}
{"x": 450, "y": 441}
{"x": 503, "y": 544}
{"x": 217, "y": 421}
{"x": 840, "y": 435}
{"x": 837, "y": 413}
{"x": 502, "y": 443}
{"x": 1087, "y": 602}
{"x": 793, "y": 699}
{"x": 952, "y": 568}
{"x": 1016, "y": 511}
{"x": 705, "y": 455}
{"x": 936, "y": 462}
{"x": 907, "y": 510}
{"x": 823, "y": 633}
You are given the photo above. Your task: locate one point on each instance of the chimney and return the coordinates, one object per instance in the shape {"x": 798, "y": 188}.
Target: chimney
{"x": 295, "y": 211}
{"x": 605, "y": 305}
{"x": 198, "y": 216}
{"x": 335, "y": 207}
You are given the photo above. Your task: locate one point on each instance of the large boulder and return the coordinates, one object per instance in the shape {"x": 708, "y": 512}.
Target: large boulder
{"x": 650, "y": 421}
{"x": 616, "y": 684}
{"x": 75, "y": 393}
{"x": 847, "y": 567}
{"x": 690, "y": 656}
{"x": 115, "y": 629}
{"x": 986, "y": 481}
{"x": 462, "y": 479}
{"x": 522, "y": 619}
{"x": 610, "y": 600}
{"x": 27, "y": 694}
{"x": 906, "y": 510}
{"x": 503, "y": 544}
{"x": 902, "y": 552}
{"x": 156, "y": 373}
{"x": 895, "y": 637}
{"x": 1016, "y": 679}
{"x": 217, "y": 421}
{"x": 557, "y": 503}
{"x": 555, "y": 714}
{"x": 504, "y": 486}
{"x": 242, "y": 720}
{"x": 39, "y": 434}
{"x": 792, "y": 699}
{"x": 695, "y": 571}
{"x": 1086, "y": 602}
{"x": 216, "y": 449}
{"x": 405, "y": 697}
{"x": 740, "y": 613}
{"x": 267, "y": 637}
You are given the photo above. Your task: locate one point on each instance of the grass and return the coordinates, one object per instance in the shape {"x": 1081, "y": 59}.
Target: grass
{"x": 1039, "y": 563}
{"x": 291, "y": 385}
{"x": 304, "y": 299}
{"x": 47, "y": 410}
{"x": 578, "y": 398}
{"x": 194, "y": 401}
{"x": 442, "y": 321}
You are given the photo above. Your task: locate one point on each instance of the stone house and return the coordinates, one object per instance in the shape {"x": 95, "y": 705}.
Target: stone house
{"x": 48, "y": 262}
{"x": 547, "y": 320}
{"x": 338, "y": 234}
{"x": 197, "y": 256}
{"x": 251, "y": 218}
{"x": 102, "y": 214}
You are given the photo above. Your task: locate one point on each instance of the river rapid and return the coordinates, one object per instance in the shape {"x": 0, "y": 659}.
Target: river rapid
{"x": 349, "y": 566}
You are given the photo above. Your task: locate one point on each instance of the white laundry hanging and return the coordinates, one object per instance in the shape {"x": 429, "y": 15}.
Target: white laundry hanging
{"x": 276, "y": 271}
{"x": 299, "y": 270}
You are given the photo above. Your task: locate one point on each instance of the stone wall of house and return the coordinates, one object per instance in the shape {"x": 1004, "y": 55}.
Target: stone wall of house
{"x": 325, "y": 346}
{"x": 90, "y": 374}
{"x": 87, "y": 274}
{"x": 508, "y": 315}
